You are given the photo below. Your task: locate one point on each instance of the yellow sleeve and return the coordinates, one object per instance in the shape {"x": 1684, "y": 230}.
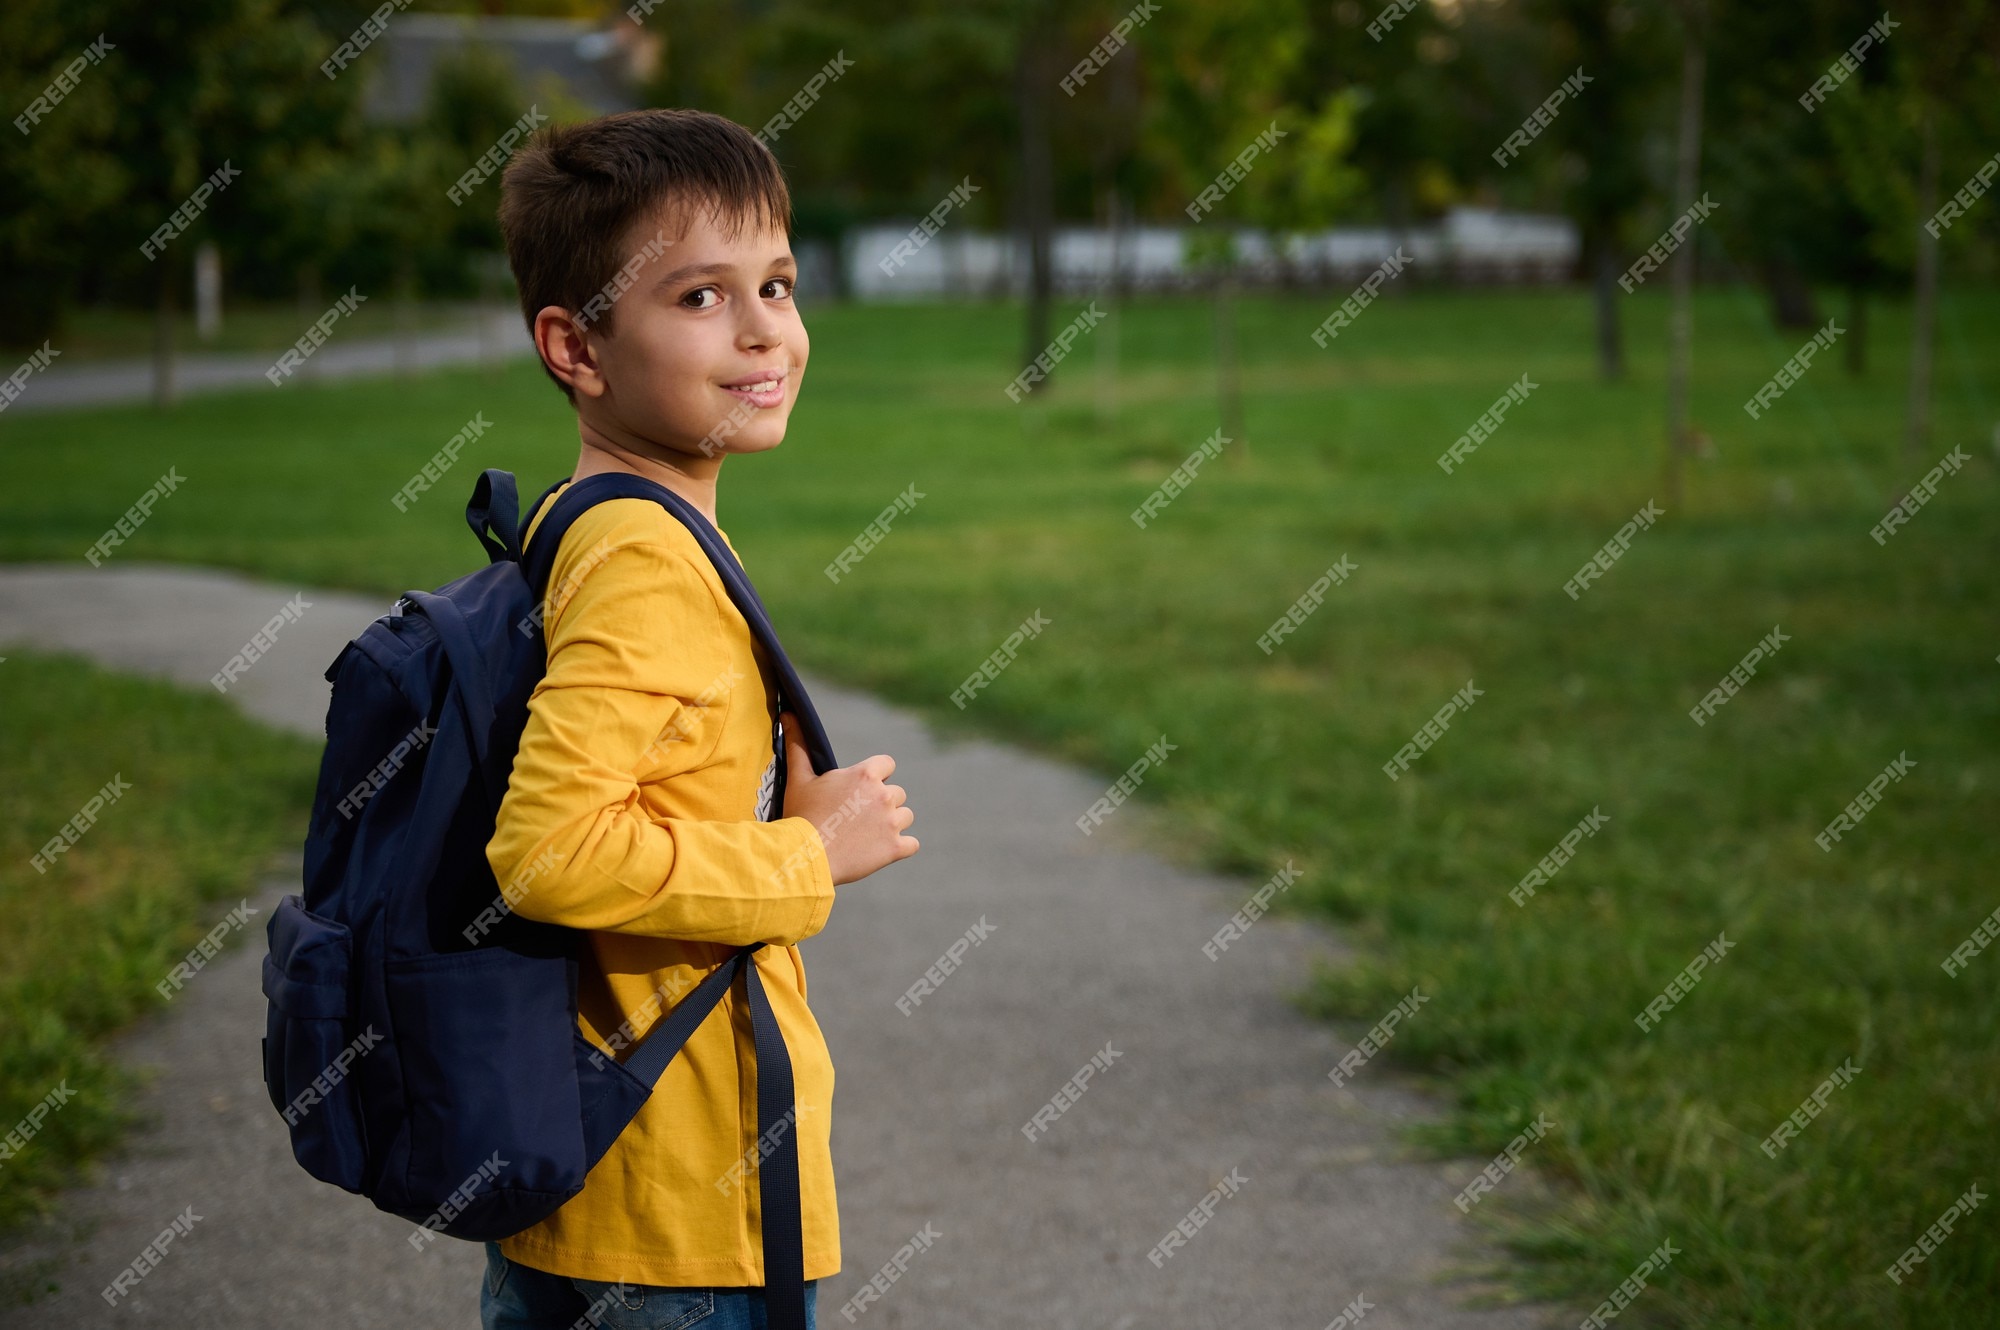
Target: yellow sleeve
{"x": 634, "y": 636}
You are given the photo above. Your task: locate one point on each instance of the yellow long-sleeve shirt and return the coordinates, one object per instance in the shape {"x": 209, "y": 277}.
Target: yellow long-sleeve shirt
{"x": 633, "y": 813}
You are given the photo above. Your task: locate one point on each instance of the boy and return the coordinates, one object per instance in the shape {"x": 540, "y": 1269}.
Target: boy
{"x": 651, "y": 253}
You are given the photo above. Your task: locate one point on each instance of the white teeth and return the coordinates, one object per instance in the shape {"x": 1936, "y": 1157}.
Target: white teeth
{"x": 764, "y": 387}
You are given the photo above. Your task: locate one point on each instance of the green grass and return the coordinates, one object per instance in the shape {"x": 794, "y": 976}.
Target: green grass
{"x": 212, "y": 796}
{"x": 1584, "y": 704}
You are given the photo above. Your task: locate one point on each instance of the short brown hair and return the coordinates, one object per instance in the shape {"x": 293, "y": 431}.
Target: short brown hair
{"x": 573, "y": 191}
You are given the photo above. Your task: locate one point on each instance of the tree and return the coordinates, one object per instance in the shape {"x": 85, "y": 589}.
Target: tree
{"x": 1927, "y": 114}
{"x": 196, "y": 84}
{"x": 60, "y": 176}
{"x": 1034, "y": 78}
{"x": 1617, "y": 44}
{"x": 1948, "y": 57}
{"x": 1693, "y": 16}
{"x": 1418, "y": 96}
{"x": 1237, "y": 106}
{"x": 1794, "y": 216}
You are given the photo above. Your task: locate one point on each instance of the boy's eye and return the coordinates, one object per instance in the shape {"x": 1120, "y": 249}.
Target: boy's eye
{"x": 695, "y": 299}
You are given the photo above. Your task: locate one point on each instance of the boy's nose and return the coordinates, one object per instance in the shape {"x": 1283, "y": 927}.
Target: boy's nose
{"x": 761, "y": 330}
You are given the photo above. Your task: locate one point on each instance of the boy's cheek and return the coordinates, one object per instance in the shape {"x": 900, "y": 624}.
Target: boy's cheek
{"x": 798, "y": 347}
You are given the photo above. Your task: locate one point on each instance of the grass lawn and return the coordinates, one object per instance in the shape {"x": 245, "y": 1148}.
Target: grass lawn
{"x": 204, "y": 797}
{"x": 1582, "y": 703}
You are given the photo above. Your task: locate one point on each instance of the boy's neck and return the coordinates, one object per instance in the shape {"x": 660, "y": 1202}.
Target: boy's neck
{"x": 693, "y": 478}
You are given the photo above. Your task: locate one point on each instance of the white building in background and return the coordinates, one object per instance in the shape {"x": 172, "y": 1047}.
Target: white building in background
{"x": 1467, "y": 246}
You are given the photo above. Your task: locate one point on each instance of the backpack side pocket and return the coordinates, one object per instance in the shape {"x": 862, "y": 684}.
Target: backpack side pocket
{"x": 310, "y": 1046}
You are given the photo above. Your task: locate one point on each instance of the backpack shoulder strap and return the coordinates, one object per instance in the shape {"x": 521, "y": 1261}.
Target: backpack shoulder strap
{"x": 528, "y": 518}
{"x": 778, "y": 1173}
{"x": 538, "y": 563}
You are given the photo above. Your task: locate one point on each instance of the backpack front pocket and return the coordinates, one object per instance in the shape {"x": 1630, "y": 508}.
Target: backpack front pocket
{"x": 486, "y": 1044}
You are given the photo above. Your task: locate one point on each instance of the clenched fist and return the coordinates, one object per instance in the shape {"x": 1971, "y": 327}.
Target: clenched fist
{"x": 860, "y": 819}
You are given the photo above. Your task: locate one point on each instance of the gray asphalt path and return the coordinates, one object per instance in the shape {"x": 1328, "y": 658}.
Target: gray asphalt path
{"x": 1090, "y": 942}
{"x": 63, "y": 386}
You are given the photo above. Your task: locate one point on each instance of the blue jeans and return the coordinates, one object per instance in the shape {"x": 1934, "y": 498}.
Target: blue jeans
{"x": 519, "y": 1297}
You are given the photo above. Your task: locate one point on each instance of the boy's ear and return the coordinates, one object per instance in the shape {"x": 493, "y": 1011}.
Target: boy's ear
{"x": 566, "y": 351}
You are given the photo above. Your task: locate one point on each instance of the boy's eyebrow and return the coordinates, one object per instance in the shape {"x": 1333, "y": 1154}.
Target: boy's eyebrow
{"x": 688, "y": 270}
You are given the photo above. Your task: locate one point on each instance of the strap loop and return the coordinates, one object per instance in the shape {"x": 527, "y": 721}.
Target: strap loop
{"x": 496, "y": 506}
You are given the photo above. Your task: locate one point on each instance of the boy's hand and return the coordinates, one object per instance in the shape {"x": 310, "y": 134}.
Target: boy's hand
{"x": 858, "y": 817}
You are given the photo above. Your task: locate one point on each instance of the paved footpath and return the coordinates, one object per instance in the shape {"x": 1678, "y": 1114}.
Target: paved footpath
{"x": 489, "y": 337}
{"x": 1092, "y": 941}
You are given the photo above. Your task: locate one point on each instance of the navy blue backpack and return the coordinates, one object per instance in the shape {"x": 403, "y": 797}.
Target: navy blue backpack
{"x": 433, "y": 1063}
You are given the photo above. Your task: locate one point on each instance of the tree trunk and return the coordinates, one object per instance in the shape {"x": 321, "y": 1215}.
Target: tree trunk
{"x": 1610, "y": 341}
{"x": 1687, "y": 174}
{"x": 1107, "y": 334}
{"x": 489, "y": 308}
{"x": 163, "y": 339}
{"x": 31, "y": 300}
{"x": 1121, "y": 237}
{"x": 843, "y": 253}
{"x": 207, "y": 291}
{"x": 1857, "y": 331}
{"x": 1792, "y": 303}
{"x": 309, "y": 308}
{"x": 1228, "y": 381}
{"x": 1924, "y": 315}
{"x": 1037, "y": 183}
{"x": 406, "y": 320}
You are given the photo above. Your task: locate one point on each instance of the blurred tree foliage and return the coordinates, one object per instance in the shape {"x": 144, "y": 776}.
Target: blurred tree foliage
{"x": 1391, "y": 118}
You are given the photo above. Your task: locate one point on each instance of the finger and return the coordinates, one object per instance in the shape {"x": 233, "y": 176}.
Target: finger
{"x": 897, "y": 795}
{"x": 881, "y": 766}
{"x": 906, "y": 846}
{"x": 902, "y": 817}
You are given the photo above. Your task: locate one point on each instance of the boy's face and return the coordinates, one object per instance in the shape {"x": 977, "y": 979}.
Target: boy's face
{"x": 707, "y": 317}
